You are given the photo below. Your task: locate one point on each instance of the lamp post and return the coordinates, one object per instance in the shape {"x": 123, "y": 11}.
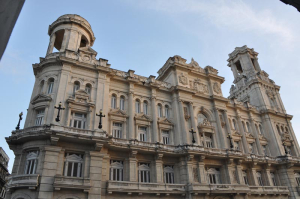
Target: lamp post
{"x": 20, "y": 118}
{"x": 59, "y": 109}
{"x": 193, "y": 132}
{"x": 230, "y": 141}
{"x": 101, "y": 116}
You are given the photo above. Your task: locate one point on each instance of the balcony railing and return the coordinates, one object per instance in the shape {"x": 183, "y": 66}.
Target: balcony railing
{"x": 269, "y": 190}
{"x": 136, "y": 187}
{"x": 30, "y": 181}
{"x": 61, "y": 182}
{"x": 218, "y": 188}
{"x": 64, "y": 129}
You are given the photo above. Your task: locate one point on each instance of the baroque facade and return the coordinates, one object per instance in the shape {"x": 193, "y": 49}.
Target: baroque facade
{"x": 243, "y": 146}
{"x": 4, "y": 159}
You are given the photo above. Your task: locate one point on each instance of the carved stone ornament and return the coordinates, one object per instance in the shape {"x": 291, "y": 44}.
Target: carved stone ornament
{"x": 183, "y": 79}
{"x": 217, "y": 88}
{"x": 194, "y": 63}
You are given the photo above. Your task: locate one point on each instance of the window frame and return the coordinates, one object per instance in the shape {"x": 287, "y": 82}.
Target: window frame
{"x": 142, "y": 134}
{"x": 169, "y": 174}
{"x": 39, "y": 118}
{"x": 117, "y": 130}
{"x": 82, "y": 120}
{"x": 116, "y": 170}
{"x": 144, "y": 172}
{"x": 31, "y": 162}
{"x": 76, "y": 161}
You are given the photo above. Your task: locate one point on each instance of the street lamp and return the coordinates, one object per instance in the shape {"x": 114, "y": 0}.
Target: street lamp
{"x": 193, "y": 132}
{"x": 101, "y": 116}
{"x": 59, "y": 109}
{"x": 20, "y": 118}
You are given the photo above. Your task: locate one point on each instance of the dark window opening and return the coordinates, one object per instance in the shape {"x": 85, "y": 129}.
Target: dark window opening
{"x": 239, "y": 67}
{"x": 58, "y": 40}
{"x": 83, "y": 42}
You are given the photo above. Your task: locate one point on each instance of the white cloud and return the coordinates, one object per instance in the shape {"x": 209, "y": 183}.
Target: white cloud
{"x": 234, "y": 15}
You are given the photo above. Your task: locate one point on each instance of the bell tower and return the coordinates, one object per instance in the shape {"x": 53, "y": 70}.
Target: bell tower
{"x": 251, "y": 84}
{"x": 70, "y": 32}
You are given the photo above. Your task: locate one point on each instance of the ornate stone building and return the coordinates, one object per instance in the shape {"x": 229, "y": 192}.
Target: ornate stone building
{"x": 4, "y": 159}
{"x": 245, "y": 146}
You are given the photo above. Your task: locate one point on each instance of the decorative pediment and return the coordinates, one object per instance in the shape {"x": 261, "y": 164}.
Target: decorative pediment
{"x": 74, "y": 158}
{"x": 81, "y": 98}
{"x": 41, "y": 98}
{"x": 250, "y": 136}
{"x": 205, "y": 126}
{"x": 117, "y": 112}
{"x": 237, "y": 134}
{"x": 142, "y": 116}
{"x": 88, "y": 50}
{"x": 164, "y": 120}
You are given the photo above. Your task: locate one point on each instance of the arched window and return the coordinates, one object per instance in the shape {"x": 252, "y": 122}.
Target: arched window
{"x": 261, "y": 129}
{"x": 50, "y": 85}
{"x": 256, "y": 127}
{"x": 169, "y": 174}
{"x": 145, "y": 107}
{"x": 167, "y": 111}
{"x": 278, "y": 130}
{"x": 244, "y": 128}
{"x": 259, "y": 178}
{"x": 282, "y": 129}
{"x": 122, "y": 103}
{"x": 73, "y": 165}
{"x": 88, "y": 88}
{"x": 201, "y": 118}
{"x": 234, "y": 124}
{"x": 144, "y": 172}
{"x": 31, "y": 162}
{"x": 137, "y": 106}
{"x": 248, "y": 126}
{"x": 41, "y": 86}
{"x": 76, "y": 86}
{"x": 113, "y": 101}
{"x": 159, "y": 110}
{"x": 116, "y": 170}
{"x": 286, "y": 130}
{"x": 214, "y": 176}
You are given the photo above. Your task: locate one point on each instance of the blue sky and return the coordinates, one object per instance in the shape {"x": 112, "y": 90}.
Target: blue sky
{"x": 142, "y": 34}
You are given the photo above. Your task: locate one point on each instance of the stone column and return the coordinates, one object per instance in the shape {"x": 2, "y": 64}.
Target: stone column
{"x": 241, "y": 130}
{"x": 194, "y": 123}
{"x": 230, "y": 169}
{"x": 253, "y": 176}
{"x": 202, "y": 172}
{"x": 87, "y": 161}
{"x": 287, "y": 178}
{"x": 50, "y": 163}
{"x": 227, "y": 126}
{"x": 154, "y": 118}
{"x": 95, "y": 168}
{"x": 131, "y": 116}
{"x": 133, "y": 167}
{"x": 189, "y": 168}
{"x": 219, "y": 131}
{"x": 256, "y": 135}
{"x": 177, "y": 117}
{"x": 159, "y": 178}
{"x": 65, "y": 40}
{"x": 239, "y": 173}
{"x": 184, "y": 134}
{"x": 268, "y": 176}
{"x": 275, "y": 146}
{"x": 51, "y": 44}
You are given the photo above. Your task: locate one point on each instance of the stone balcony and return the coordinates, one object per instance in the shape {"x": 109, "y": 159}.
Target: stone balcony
{"x": 60, "y": 129}
{"x": 23, "y": 181}
{"x": 218, "y": 188}
{"x": 145, "y": 188}
{"x": 65, "y": 182}
{"x": 270, "y": 190}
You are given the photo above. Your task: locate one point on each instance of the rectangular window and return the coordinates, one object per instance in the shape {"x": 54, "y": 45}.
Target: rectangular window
{"x": 273, "y": 179}
{"x": 116, "y": 170}
{"x": 165, "y": 137}
{"x": 122, "y": 103}
{"x": 143, "y": 134}
{"x": 117, "y": 130}
{"x": 31, "y": 162}
{"x": 245, "y": 177}
{"x": 259, "y": 179}
{"x": 236, "y": 145}
{"x": 144, "y": 172}
{"x": 73, "y": 165}
{"x": 39, "y": 120}
{"x": 169, "y": 174}
{"x": 78, "y": 120}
